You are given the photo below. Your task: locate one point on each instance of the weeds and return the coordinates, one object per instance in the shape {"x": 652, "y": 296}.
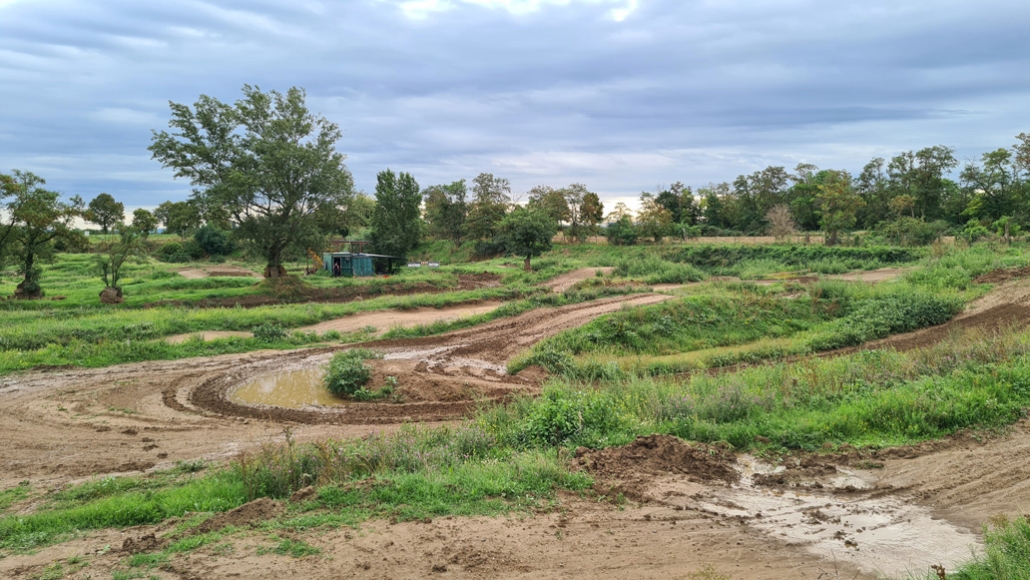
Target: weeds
{"x": 347, "y": 374}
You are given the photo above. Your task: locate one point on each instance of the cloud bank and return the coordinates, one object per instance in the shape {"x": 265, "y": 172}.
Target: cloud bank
{"x": 623, "y": 95}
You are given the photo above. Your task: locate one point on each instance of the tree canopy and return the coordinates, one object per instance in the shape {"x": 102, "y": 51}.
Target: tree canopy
{"x": 35, "y": 219}
{"x": 396, "y": 220}
{"x": 527, "y": 232}
{"x": 104, "y": 211}
{"x": 265, "y": 164}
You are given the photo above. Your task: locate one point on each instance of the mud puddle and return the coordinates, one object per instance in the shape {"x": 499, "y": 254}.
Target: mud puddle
{"x": 843, "y": 521}
{"x": 293, "y": 389}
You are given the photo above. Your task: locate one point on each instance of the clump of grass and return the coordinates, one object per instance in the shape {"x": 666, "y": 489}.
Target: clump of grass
{"x": 654, "y": 270}
{"x": 1006, "y": 554}
{"x": 347, "y": 372}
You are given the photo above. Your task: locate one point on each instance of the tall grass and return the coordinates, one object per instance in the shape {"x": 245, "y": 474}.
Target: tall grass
{"x": 879, "y": 398}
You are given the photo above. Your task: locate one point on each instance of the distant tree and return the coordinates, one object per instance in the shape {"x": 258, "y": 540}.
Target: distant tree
{"x": 550, "y": 201}
{"x": 104, "y": 211}
{"x": 591, "y": 212}
{"x": 357, "y": 212}
{"x": 527, "y": 232}
{"x": 621, "y": 210}
{"x": 396, "y": 221}
{"x": 903, "y": 204}
{"x": 653, "y": 220}
{"x": 621, "y": 231}
{"x": 37, "y": 218}
{"x": 112, "y": 256}
{"x": 144, "y": 222}
{"x": 574, "y": 195}
{"x": 267, "y": 161}
{"x": 781, "y": 222}
{"x": 838, "y": 204}
{"x": 491, "y": 198}
{"x": 446, "y": 210}
{"x": 180, "y": 218}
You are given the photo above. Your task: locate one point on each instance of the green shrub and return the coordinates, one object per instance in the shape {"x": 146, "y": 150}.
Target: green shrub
{"x": 347, "y": 372}
{"x": 213, "y": 241}
{"x": 269, "y": 332}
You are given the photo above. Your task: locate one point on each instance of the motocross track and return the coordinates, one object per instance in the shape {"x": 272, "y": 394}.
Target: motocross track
{"x": 850, "y": 514}
{"x": 72, "y": 424}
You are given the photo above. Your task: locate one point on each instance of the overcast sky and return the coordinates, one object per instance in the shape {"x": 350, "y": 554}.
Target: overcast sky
{"x": 622, "y": 95}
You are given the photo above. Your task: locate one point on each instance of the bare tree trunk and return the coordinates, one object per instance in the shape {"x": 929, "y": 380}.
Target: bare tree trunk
{"x": 526, "y": 266}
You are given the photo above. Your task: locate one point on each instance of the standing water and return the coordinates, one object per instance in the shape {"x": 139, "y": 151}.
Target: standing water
{"x": 294, "y": 389}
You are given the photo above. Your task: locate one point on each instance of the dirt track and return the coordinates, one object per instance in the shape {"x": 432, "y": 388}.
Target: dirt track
{"x": 72, "y": 424}
{"x": 830, "y": 515}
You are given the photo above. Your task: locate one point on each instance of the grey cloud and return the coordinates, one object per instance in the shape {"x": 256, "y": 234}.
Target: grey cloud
{"x": 692, "y": 91}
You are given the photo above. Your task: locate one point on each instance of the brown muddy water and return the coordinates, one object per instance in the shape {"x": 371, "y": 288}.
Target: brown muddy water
{"x": 881, "y": 534}
{"x": 294, "y": 389}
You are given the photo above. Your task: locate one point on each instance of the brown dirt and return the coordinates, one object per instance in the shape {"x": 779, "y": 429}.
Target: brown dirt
{"x": 382, "y": 320}
{"x": 68, "y": 424}
{"x": 252, "y": 512}
{"x": 629, "y": 469}
{"x": 872, "y": 276}
{"x": 1003, "y": 275}
{"x": 570, "y": 279}
{"x": 216, "y": 270}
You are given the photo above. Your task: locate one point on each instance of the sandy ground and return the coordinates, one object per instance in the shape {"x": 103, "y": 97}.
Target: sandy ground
{"x": 381, "y": 320}
{"x": 845, "y": 515}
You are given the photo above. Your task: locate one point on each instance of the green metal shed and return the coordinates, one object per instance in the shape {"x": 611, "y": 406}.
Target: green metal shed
{"x": 348, "y": 264}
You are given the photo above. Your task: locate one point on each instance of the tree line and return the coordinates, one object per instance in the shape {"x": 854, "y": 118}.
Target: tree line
{"x": 265, "y": 174}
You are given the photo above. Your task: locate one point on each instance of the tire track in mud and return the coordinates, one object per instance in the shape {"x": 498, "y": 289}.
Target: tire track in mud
{"x": 447, "y": 375}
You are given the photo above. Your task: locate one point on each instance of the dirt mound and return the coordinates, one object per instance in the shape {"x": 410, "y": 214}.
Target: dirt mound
{"x": 1003, "y": 275}
{"x": 661, "y": 454}
{"x": 248, "y": 513}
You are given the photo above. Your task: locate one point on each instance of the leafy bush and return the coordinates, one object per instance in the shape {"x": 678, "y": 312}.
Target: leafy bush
{"x": 347, "y": 372}
{"x": 269, "y": 332}
{"x": 213, "y": 241}
{"x": 882, "y": 316}
{"x": 177, "y": 253}
{"x": 621, "y": 232}
{"x": 655, "y": 270}
{"x": 974, "y": 231}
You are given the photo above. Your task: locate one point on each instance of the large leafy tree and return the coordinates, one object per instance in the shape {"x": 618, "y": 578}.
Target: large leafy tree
{"x": 491, "y": 197}
{"x": 396, "y": 223}
{"x": 446, "y": 210}
{"x": 267, "y": 162}
{"x": 591, "y": 211}
{"x": 180, "y": 217}
{"x": 104, "y": 211}
{"x": 838, "y": 204}
{"x": 144, "y": 222}
{"x": 653, "y": 219}
{"x": 35, "y": 219}
{"x": 527, "y": 232}
{"x": 550, "y": 201}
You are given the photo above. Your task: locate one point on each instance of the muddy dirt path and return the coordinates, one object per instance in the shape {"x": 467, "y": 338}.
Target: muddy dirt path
{"x": 381, "y": 320}
{"x": 570, "y": 279}
{"x": 63, "y": 425}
